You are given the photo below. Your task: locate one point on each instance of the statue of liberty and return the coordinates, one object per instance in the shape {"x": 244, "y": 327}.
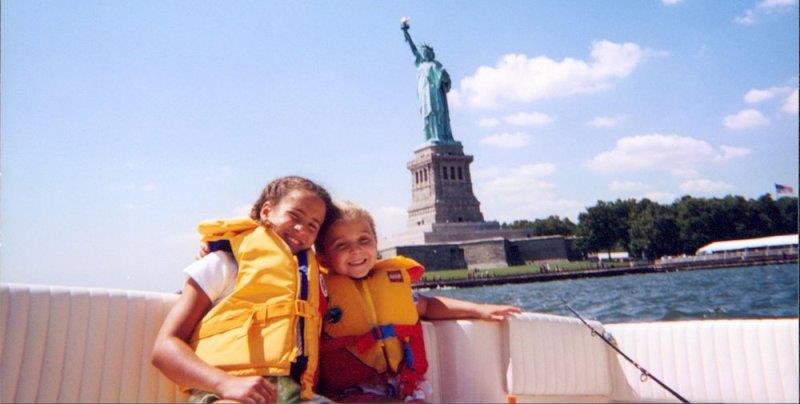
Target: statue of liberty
{"x": 433, "y": 83}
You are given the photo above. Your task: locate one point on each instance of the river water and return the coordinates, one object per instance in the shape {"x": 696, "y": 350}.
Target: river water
{"x": 744, "y": 292}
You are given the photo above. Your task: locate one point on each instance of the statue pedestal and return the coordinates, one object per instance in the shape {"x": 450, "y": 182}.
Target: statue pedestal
{"x": 447, "y": 233}
{"x": 441, "y": 187}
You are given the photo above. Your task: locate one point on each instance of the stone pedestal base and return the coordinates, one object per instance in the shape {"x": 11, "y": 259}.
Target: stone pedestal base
{"x": 445, "y": 233}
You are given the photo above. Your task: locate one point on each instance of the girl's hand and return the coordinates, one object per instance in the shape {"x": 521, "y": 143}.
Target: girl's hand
{"x": 248, "y": 390}
{"x": 496, "y": 312}
{"x": 204, "y": 250}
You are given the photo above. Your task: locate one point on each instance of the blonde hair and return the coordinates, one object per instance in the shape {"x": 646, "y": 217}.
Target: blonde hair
{"x": 349, "y": 212}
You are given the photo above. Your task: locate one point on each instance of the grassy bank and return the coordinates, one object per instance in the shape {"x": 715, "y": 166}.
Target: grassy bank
{"x": 555, "y": 266}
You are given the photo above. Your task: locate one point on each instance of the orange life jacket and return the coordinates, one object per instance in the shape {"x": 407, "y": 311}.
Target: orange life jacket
{"x": 269, "y": 324}
{"x": 371, "y": 330}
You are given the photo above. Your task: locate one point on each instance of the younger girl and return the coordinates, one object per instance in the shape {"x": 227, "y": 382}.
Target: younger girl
{"x": 372, "y": 344}
{"x": 246, "y": 326}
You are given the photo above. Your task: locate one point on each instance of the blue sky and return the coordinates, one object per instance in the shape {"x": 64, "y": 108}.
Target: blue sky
{"x": 126, "y": 123}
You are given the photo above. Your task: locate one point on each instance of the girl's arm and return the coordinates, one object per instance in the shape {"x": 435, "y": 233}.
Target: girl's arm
{"x": 443, "y": 308}
{"x": 176, "y": 359}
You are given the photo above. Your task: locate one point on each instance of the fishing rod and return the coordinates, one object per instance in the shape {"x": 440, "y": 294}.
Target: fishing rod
{"x": 645, "y": 373}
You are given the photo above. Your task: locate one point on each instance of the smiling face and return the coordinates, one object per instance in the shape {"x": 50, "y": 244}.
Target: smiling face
{"x": 350, "y": 248}
{"x": 295, "y": 218}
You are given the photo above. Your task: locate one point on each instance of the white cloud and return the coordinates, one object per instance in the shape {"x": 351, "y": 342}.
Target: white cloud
{"x": 729, "y": 152}
{"x": 773, "y": 4}
{"x": 523, "y": 192}
{"x": 764, "y": 6}
{"x": 639, "y": 190}
{"x": 517, "y": 78}
{"x": 745, "y": 119}
{"x": 488, "y": 122}
{"x": 660, "y": 197}
{"x": 534, "y": 170}
{"x": 684, "y": 172}
{"x": 748, "y": 18}
{"x": 757, "y": 95}
{"x": 679, "y": 155}
{"x": 485, "y": 172}
{"x": 507, "y": 140}
{"x": 670, "y": 2}
{"x": 604, "y": 121}
{"x": 790, "y": 104}
{"x": 704, "y": 186}
{"x": 627, "y": 186}
{"x": 529, "y": 119}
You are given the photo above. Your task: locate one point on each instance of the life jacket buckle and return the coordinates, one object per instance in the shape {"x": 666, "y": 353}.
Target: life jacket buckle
{"x": 303, "y": 309}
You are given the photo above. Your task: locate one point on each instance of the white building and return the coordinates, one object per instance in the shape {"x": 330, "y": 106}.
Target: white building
{"x": 788, "y": 241}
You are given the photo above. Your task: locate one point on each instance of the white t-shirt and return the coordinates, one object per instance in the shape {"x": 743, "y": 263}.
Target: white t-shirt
{"x": 215, "y": 274}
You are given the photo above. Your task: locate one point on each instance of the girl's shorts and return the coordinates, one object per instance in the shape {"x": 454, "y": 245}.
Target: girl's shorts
{"x": 288, "y": 392}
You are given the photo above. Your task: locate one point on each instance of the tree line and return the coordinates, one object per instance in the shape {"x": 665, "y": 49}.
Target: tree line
{"x": 649, "y": 230}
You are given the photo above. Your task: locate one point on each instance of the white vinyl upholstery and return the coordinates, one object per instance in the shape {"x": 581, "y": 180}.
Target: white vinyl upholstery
{"x": 471, "y": 358}
{"x": 711, "y": 361}
{"x": 62, "y": 344}
{"x": 556, "y": 356}
{"x": 432, "y": 354}
{"x": 81, "y": 345}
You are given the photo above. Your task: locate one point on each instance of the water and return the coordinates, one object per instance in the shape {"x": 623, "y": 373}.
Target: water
{"x": 746, "y": 292}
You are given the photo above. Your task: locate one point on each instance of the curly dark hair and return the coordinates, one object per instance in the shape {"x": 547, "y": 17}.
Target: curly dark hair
{"x": 280, "y": 187}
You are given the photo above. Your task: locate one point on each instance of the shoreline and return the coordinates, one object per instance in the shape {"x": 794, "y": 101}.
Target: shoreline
{"x": 597, "y": 273}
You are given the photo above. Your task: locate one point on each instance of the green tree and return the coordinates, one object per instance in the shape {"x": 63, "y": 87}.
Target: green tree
{"x": 649, "y": 230}
{"x": 552, "y": 225}
{"x": 768, "y": 215}
{"x": 693, "y": 217}
{"x": 788, "y": 215}
{"x": 599, "y": 228}
{"x": 652, "y": 230}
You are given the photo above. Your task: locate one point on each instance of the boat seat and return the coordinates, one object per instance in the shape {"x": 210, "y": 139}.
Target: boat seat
{"x": 555, "y": 358}
{"x": 64, "y": 344}
{"x": 710, "y": 360}
{"x": 60, "y": 344}
{"x": 467, "y": 362}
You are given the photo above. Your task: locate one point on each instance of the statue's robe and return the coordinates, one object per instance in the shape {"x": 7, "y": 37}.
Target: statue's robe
{"x": 432, "y": 85}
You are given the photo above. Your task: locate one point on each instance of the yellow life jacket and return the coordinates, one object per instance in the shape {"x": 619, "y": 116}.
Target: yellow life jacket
{"x": 375, "y": 320}
{"x": 255, "y": 329}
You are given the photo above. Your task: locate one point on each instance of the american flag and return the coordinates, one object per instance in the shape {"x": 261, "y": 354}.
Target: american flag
{"x": 783, "y": 189}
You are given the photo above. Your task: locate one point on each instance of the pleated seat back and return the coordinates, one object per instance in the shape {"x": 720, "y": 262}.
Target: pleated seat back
{"x": 81, "y": 345}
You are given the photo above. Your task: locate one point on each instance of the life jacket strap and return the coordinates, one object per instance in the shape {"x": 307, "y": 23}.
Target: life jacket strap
{"x": 260, "y": 314}
{"x": 365, "y": 341}
{"x": 302, "y": 308}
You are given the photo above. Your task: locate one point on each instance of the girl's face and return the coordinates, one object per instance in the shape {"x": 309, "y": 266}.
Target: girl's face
{"x": 296, "y": 218}
{"x": 350, "y": 248}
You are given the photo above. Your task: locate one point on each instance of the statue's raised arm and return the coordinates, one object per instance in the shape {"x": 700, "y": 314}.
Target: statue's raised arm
{"x": 414, "y": 50}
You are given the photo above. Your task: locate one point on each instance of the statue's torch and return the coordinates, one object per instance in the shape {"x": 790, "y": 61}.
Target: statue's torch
{"x": 404, "y": 23}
